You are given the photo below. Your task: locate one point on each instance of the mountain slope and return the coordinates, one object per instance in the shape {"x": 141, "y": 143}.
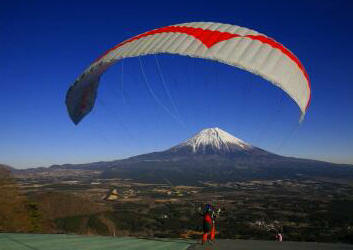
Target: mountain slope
{"x": 215, "y": 155}
{"x": 211, "y": 143}
{"x": 210, "y": 155}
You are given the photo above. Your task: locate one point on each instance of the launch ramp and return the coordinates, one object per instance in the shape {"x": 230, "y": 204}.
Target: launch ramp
{"x": 74, "y": 242}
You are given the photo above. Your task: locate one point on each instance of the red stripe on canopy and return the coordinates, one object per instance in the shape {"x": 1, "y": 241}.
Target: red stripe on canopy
{"x": 212, "y": 37}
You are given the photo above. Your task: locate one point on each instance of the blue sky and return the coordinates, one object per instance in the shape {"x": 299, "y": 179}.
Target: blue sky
{"x": 45, "y": 45}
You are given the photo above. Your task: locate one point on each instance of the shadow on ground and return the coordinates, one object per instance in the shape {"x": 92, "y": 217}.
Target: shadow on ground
{"x": 269, "y": 245}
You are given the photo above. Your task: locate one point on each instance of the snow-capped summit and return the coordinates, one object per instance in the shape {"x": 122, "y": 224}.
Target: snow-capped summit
{"x": 214, "y": 139}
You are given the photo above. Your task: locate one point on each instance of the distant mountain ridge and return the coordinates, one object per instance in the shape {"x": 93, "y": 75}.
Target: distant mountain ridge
{"x": 6, "y": 167}
{"x": 213, "y": 155}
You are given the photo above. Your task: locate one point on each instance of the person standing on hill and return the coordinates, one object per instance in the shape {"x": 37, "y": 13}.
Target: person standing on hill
{"x": 209, "y": 223}
{"x": 279, "y": 237}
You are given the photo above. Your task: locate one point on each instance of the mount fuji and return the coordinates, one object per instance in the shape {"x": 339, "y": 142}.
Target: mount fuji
{"x": 212, "y": 155}
{"x": 215, "y": 155}
{"x": 214, "y": 140}
{"x": 210, "y": 143}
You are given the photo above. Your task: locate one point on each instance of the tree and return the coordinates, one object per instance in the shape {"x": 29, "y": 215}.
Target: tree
{"x": 14, "y": 216}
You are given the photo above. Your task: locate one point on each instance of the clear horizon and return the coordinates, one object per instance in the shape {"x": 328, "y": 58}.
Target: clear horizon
{"x": 46, "y": 45}
{"x": 151, "y": 152}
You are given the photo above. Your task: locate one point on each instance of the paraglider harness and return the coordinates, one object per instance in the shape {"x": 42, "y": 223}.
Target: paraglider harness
{"x": 208, "y": 221}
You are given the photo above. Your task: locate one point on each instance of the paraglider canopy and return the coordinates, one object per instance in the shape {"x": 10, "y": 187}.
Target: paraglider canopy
{"x": 230, "y": 44}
